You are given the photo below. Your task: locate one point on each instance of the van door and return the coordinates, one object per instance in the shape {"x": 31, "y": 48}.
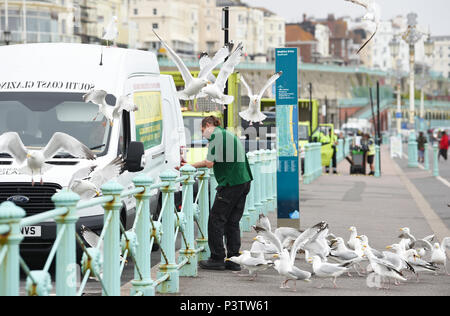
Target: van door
{"x": 146, "y": 124}
{"x": 174, "y": 133}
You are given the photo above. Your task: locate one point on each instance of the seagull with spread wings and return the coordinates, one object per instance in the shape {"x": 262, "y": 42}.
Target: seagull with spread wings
{"x": 123, "y": 103}
{"x": 372, "y": 16}
{"x": 87, "y": 182}
{"x": 193, "y": 86}
{"x": 11, "y": 143}
{"x": 215, "y": 91}
{"x": 253, "y": 113}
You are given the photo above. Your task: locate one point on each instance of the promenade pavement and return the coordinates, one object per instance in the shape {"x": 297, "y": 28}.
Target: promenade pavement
{"x": 377, "y": 207}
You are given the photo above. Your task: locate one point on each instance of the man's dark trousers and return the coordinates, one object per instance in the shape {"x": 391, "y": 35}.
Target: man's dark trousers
{"x": 224, "y": 219}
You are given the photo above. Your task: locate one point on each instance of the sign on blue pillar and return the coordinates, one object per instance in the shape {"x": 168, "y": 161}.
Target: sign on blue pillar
{"x": 288, "y": 203}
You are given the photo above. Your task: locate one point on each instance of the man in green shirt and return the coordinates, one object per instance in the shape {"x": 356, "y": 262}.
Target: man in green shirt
{"x": 227, "y": 157}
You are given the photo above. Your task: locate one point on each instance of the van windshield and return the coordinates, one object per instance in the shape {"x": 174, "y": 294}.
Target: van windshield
{"x": 36, "y": 116}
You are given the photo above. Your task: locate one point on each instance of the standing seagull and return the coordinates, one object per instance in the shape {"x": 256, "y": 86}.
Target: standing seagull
{"x": 111, "y": 32}
{"x": 215, "y": 91}
{"x": 373, "y": 16}
{"x": 12, "y": 144}
{"x": 253, "y": 113}
{"x": 109, "y": 35}
{"x": 123, "y": 103}
{"x": 193, "y": 86}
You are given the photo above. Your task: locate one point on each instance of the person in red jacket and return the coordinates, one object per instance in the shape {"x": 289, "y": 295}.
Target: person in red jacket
{"x": 443, "y": 145}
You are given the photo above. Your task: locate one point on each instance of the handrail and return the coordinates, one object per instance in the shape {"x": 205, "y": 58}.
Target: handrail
{"x": 103, "y": 260}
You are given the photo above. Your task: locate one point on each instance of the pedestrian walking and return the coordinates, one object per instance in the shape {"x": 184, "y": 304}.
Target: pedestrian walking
{"x": 227, "y": 157}
{"x": 421, "y": 143}
{"x": 443, "y": 145}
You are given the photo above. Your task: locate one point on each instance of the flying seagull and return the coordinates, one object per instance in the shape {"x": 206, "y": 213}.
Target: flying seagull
{"x": 11, "y": 143}
{"x": 123, "y": 103}
{"x": 215, "y": 91}
{"x": 253, "y": 113}
{"x": 373, "y": 16}
{"x": 193, "y": 86}
{"x": 87, "y": 182}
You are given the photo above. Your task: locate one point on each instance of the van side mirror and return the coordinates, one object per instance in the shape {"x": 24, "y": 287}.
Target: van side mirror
{"x": 135, "y": 160}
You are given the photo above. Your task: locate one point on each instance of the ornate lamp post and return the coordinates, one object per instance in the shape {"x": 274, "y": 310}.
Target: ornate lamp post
{"x": 7, "y": 36}
{"x": 429, "y": 50}
{"x": 394, "y": 45}
{"x": 412, "y": 36}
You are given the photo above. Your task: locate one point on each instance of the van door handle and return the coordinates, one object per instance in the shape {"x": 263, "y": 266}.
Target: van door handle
{"x": 158, "y": 155}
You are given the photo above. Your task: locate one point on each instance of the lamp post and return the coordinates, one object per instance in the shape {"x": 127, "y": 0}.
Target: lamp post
{"x": 394, "y": 45}
{"x": 429, "y": 50}
{"x": 411, "y": 37}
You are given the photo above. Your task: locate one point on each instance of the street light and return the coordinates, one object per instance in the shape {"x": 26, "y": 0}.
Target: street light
{"x": 7, "y": 36}
{"x": 411, "y": 37}
{"x": 394, "y": 46}
{"x": 423, "y": 81}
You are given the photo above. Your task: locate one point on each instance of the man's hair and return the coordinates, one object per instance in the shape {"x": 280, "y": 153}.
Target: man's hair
{"x": 211, "y": 120}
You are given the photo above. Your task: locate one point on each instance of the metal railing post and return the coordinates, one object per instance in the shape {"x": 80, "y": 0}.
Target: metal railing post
{"x": 435, "y": 160}
{"x": 146, "y": 286}
{"x": 258, "y": 191}
{"x": 250, "y": 203}
{"x": 377, "y": 161}
{"x": 187, "y": 250}
{"x": 10, "y": 215}
{"x": 426, "y": 158}
{"x": 111, "y": 243}
{"x": 274, "y": 178}
{"x": 66, "y": 266}
{"x": 202, "y": 237}
{"x": 168, "y": 264}
{"x": 268, "y": 182}
{"x": 308, "y": 164}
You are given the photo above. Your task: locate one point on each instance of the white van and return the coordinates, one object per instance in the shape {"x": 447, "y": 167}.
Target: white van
{"x": 41, "y": 89}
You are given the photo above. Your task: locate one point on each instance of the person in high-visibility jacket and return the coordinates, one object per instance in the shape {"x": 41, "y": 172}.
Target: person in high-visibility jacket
{"x": 370, "y": 153}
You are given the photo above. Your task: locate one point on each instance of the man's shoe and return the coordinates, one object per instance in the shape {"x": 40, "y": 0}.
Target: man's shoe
{"x": 212, "y": 264}
{"x": 232, "y": 266}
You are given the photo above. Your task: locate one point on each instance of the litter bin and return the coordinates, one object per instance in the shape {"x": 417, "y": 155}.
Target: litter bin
{"x": 358, "y": 165}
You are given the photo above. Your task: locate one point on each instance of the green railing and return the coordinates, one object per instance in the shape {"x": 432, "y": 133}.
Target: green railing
{"x": 313, "y": 162}
{"x": 106, "y": 261}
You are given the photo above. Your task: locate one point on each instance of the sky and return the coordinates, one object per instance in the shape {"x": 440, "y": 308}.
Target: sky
{"x": 433, "y": 14}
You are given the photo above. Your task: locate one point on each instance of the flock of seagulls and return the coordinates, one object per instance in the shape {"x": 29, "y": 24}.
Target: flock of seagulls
{"x": 206, "y": 85}
{"x": 329, "y": 256}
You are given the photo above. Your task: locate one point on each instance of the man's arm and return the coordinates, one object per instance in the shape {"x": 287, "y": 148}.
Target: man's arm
{"x": 203, "y": 164}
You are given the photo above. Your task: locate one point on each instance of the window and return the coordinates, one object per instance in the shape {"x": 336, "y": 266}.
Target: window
{"x": 135, "y": 11}
{"x": 155, "y": 26}
{"x": 155, "y": 11}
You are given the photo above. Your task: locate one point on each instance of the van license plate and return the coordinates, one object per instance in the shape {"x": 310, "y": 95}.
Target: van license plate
{"x": 31, "y": 231}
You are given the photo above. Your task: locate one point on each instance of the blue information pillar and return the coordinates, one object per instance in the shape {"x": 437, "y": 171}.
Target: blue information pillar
{"x": 288, "y": 203}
